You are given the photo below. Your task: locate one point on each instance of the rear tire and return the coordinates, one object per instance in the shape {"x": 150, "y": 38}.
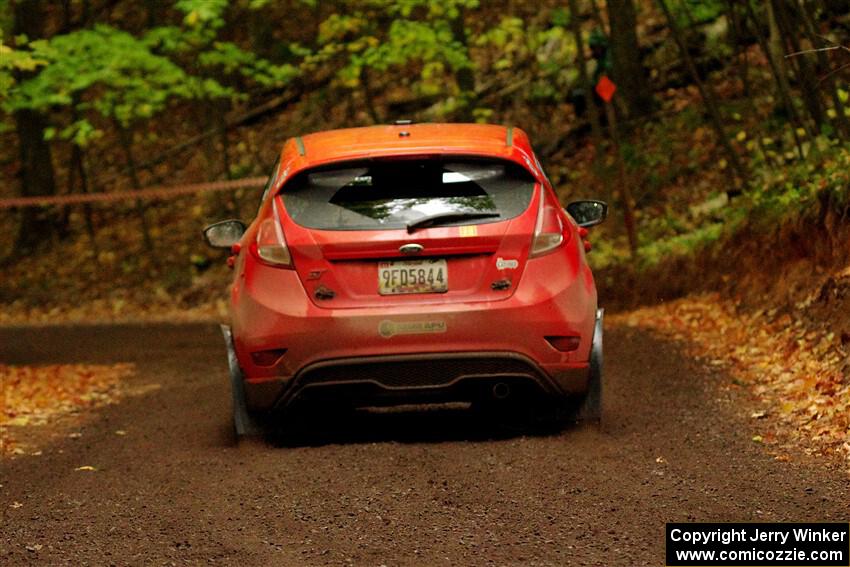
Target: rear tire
{"x": 591, "y": 407}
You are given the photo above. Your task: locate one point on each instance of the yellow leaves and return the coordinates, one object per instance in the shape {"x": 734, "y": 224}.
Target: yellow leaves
{"x": 105, "y": 257}
{"x": 85, "y": 468}
{"x": 797, "y": 371}
{"x": 35, "y": 395}
{"x": 192, "y": 18}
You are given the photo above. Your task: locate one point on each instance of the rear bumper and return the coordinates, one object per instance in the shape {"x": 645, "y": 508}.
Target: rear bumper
{"x": 505, "y": 339}
{"x": 434, "y": 377}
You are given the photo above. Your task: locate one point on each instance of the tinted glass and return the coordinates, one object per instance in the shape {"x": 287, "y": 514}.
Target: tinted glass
{"x": 391, "y": 194}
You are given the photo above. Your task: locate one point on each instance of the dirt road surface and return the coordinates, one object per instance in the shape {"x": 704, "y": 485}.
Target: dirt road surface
{"x": 427, "y": 488}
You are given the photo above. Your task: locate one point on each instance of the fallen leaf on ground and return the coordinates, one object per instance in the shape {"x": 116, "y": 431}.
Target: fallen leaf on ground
{"x": 36, "y": 395}
{"x": 799, "y": 372}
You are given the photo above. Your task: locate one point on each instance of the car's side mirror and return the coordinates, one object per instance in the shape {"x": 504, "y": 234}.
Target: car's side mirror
{"x": 224, "y": 234}
{"x": 588, "y": 213}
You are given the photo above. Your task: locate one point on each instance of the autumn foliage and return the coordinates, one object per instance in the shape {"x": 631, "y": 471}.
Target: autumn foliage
{"x": 37, "y": 395}
{"x": 800, "y": 377}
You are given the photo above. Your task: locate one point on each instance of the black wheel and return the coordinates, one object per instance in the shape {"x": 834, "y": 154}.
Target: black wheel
{"x": 591, "y": 407}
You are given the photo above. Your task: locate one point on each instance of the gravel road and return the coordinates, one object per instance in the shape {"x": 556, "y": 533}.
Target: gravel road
{"x": 426, "y": 488}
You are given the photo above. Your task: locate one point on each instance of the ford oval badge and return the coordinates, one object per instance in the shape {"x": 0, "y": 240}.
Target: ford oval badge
{"x": 411, "y": 249}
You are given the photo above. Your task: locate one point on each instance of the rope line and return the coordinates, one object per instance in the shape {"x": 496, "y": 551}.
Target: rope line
{"x": 151, "y": 193}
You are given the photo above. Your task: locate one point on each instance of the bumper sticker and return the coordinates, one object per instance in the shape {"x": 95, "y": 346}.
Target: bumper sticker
{"x": 388, "y": 328}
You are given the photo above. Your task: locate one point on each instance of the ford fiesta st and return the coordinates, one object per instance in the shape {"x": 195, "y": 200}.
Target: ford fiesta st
{"x": 412, "y": 263}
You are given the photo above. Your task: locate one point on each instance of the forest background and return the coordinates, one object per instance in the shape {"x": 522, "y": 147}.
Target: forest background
{"x": 730, "y": 125}
{"x": 724, "y": 154}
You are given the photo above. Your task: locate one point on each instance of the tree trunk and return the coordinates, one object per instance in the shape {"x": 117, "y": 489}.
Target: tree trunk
{"x": 78, "y": 169}
{"x": 227, "y": 202}
{"x": 629, "y": 74}
{"x": 841, "y": 122}
{"x": 625, "y": 189}
{"x": 36, "y": 173}
{"x": 778, "y": 70}
{"x": 464, "y": 76}
{"x": 803, "y": 68}
{"x": 710, "y": 101}
{"x": 587, "y": 87}
{"x": 126, "y": 139}
{"x": 596, "y": 13}
{"x": 369, "y": 96}
{"x": 776, "y": 53}
{"x": 740, "y": 45}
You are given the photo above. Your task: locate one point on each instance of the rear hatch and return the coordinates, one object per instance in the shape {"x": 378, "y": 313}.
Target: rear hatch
{"x": 409, "y": 230}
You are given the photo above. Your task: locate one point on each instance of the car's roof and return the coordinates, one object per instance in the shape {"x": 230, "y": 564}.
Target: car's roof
{"x": 407, "y": 139}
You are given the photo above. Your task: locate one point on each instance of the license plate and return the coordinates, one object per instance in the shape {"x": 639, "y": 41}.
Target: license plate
{"x": 413, "y": 276}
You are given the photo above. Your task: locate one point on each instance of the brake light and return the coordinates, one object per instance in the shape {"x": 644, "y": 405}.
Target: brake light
{"x": 549, "y": 231}
{"x": 271, "y": 245}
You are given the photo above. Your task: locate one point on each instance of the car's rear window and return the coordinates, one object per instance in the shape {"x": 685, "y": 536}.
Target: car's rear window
{"x": 391, "y": 194}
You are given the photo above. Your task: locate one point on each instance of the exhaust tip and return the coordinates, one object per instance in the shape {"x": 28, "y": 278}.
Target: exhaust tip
{"x": 501, "y": 391}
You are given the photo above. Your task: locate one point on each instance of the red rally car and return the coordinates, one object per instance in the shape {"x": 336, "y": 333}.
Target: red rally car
{"x": 412, "y": 263}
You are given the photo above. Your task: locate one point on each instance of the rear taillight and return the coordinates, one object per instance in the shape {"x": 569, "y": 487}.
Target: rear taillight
{"x": 271, "y": 246}
{"x": 549, "y": 231}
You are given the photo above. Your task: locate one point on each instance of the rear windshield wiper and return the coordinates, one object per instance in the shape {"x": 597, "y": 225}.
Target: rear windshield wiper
{"x": 444, "y": 218}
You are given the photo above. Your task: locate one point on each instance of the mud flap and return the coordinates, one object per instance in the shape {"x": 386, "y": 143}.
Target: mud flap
{"x": 243, "y": 422}
{"x": 591, "y": 407}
